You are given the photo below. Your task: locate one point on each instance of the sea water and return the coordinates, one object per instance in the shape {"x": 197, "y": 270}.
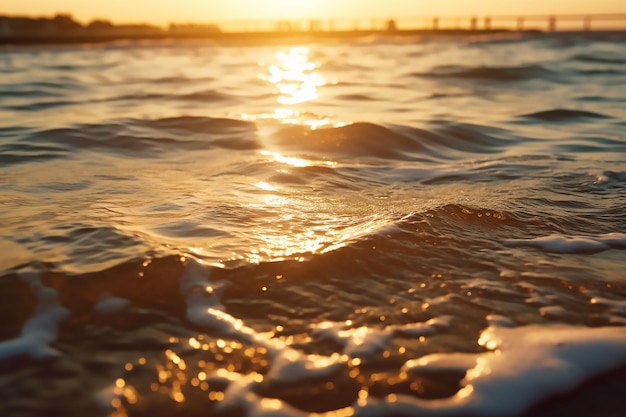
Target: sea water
{"x": 368, "y": 227}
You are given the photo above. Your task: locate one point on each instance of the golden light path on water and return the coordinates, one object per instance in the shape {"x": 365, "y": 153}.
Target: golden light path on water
{"x": 296, "y": 80}
{"x": 292, "y": 223}
{"x": 295, "y": 76}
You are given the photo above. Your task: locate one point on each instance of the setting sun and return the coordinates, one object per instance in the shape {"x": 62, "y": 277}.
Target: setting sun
{"x": 163, "y": 12}
{"x": 288, "y": 9}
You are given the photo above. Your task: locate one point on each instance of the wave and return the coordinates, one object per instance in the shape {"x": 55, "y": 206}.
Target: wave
{"x": 15, "y": 153}
{"x": 12, "y": 131}
{"x": 61, "y": 84}
{"x": 148, "y": 138}
{"x": 355, "y": 97}
{"x": 599, "y": 59}
{"x": 27, "y": 93}
{"x": 88, "y": 248}
{"x": 197, "y": 124}
{"x": 443, "y": 140}
{"x": 600, "y": 72}
{"x": 564, "y": 115}
{"x": 174, "y": 79}
{"x": 355, "y": 140}
{"x": 263, "y": 336}
{"x": 601, "y": 99}
{"x": 436, "y": 96}
{"x": 573, "y": 244}
{"x": 496, "y": 38}
{"x": 151, "y": 137}
{"x": 425, "y": 287}
{"x": 590, "y": 144}
{"x": 472, "y": 138}
{"x": 80, "y": 67}
{"x": 138, "y": 96}
{"x": 206, "y": 96}
{"x": 61, "y": 67}
{"x": 106, "y": 138}
{"x": 44, "y": 105}
{"x": 502, "y": 74}
{"x": 188, "y": 229}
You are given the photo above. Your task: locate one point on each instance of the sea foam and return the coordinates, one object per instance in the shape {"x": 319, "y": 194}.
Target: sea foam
{"x": 520, "y": 365}
{"x": 575, "y": 244}
{"x": 40, "y": 331}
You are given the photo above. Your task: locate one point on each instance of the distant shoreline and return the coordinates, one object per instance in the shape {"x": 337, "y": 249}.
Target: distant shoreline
{"x": 64, "y": 29}
{"x": 245, "y": 36}
{"x": 281, "y": 36}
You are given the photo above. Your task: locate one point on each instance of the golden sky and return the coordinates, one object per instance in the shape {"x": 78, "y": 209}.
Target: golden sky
{"x": 165, "y": 11}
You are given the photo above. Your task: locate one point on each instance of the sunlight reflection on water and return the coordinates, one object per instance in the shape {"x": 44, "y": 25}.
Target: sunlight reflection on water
{"x": 296, "y": 80}
{"x": 295, "y": 76}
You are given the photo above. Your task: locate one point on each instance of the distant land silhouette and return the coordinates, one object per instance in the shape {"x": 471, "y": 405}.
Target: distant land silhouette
{"x": 62, "y": 28}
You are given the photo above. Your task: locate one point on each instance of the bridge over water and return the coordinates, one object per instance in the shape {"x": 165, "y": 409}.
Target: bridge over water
{"x": 549, "y": 23}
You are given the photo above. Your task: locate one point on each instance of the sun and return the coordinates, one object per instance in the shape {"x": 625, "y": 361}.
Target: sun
{"x": 288, "y": 9}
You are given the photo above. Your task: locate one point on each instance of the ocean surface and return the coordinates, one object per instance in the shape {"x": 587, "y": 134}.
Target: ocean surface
{"x": 370, "y": 227}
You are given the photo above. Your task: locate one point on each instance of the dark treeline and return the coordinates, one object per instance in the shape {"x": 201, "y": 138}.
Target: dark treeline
{"x": 63, "y": 25}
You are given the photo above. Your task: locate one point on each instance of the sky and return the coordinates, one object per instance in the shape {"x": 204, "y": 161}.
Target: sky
{"x": 165, "y": 11}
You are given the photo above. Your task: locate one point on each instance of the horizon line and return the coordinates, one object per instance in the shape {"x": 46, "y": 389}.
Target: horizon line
{"x": 566, "y": 16}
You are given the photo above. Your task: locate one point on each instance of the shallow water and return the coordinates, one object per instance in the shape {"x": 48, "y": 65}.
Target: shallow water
{"x": 204, "y": 229}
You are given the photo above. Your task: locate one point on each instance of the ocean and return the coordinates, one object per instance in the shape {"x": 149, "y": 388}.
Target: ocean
{"x": 355, "y": 227}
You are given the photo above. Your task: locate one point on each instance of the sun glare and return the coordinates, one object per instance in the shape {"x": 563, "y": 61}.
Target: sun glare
{"x": 295, "y": 77}
{"x": 290, "y": 9}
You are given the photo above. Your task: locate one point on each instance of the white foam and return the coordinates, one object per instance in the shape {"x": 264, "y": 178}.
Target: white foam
{"x": 362, "y": 342}
{"x": 417, "y": 329}
{"x": 290, "y": 365}
{"x": 287, "y": 364}
{"x": 240, "y": 394}
{"x": 553, "y": 311}
{"x": 203, "y": 303}
{"x": 501, "y": 287}
{"x": 577, "y": 244}
{"x": 41, "y": 329}
{"x": 500, "y": 321}
{"x": 616, "y": 306}
{"x": 457, "y": 361}
{"x": 535, "y": 296}
{"x": 523, "y": 366}
{"x": 508, "y": 273}
{"x": 108, "y": 304}
{"x": 601, "y": 179}
{"x": 443, "y": 299}
{"x": 520, "y": 366}
{"x": 205, "y": 309}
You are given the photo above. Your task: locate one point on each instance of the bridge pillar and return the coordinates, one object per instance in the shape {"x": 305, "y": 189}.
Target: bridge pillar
{"x": 551, "y": 24}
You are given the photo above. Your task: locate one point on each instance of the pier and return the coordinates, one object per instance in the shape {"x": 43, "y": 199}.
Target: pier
{"x": 544, "y": 23}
